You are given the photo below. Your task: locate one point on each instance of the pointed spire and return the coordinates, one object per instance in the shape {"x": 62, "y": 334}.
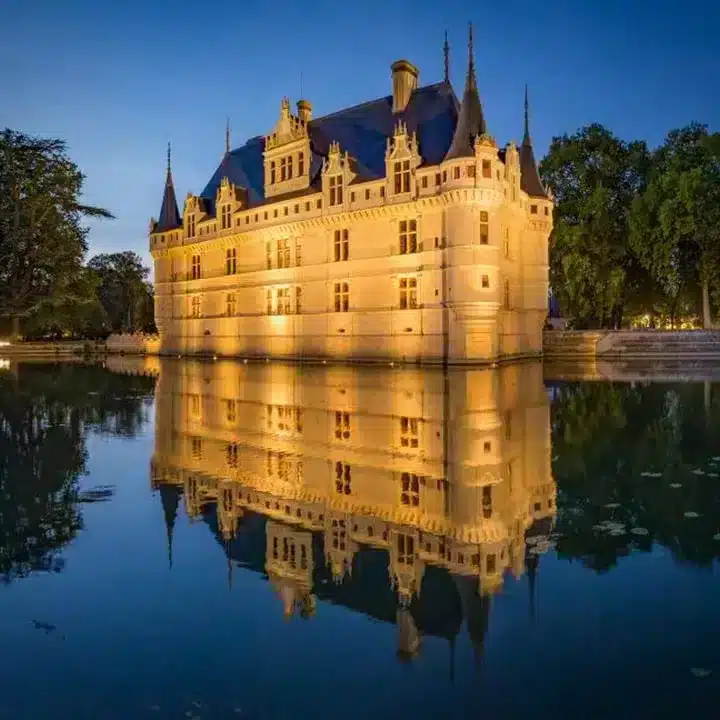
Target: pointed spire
{"x": 170, "y": 499}
{"x": 529, "y": 176}
{"x": 446, "y": 53}
{"x": 471, "y": 121}
{"x": 169, "y": 217}
{"x": 227, "y": 137}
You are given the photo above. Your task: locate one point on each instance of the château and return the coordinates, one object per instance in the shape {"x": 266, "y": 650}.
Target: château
{"x": 396, "y": 229}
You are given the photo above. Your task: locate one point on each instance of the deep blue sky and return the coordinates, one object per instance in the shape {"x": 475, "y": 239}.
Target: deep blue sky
{"x": 117, "y": 80}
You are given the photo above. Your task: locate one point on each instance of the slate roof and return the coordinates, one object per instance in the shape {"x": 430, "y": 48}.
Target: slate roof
{"x": 471, "y": 120}
{"x": 361, "y": 131}
{"x": 529, "y": 176}
{"x": 169, "y": 218}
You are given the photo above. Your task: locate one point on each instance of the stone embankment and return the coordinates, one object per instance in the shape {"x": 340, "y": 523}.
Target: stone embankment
{"x": 625, "y": 345}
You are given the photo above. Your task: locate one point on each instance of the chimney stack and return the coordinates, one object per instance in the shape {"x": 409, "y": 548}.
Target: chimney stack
{"x": 304, "y": 109}
{"x": 404, "y": 81}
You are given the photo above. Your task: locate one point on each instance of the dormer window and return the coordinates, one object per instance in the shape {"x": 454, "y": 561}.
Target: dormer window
{"x": 336, "y": 190}
{"x": 226, "y": 216}
{"x": 401, "y": 172}
{"x": 286, "y": 168}
{"x": 191, "y": 226}
{"x": 273, "y": 171}
{"x": 301, "y": 163}
{"x": 486, "y": 169}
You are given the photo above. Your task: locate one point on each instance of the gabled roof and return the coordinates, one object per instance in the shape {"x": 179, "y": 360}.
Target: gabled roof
{"x": 361, "y": 131}
{"x": 169, "y": 218}
{"x": 530, "y": 181}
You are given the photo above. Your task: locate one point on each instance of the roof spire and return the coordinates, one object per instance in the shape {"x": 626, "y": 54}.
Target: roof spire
{"x": 227, "y": 136}
{"x": 446, "y": 54}
{"x": 169, "y": 218}
{"x": 529, "y": 176}
{"x": 471, "y": 121}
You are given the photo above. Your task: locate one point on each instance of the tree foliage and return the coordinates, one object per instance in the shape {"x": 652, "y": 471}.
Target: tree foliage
{"x": 675, "y": 223}
{"x": 124, "y": 291}
{"x": 42, "y": 240}
{"x": 594, "y": 177}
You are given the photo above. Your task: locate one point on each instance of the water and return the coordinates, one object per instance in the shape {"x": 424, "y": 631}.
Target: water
{"x": 217, "y": 540}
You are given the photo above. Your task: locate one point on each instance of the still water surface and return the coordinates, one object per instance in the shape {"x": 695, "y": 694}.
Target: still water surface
{"x": 215, "y": 540}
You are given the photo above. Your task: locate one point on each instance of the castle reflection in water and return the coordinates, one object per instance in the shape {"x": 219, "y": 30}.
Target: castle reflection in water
{"x": 405, "y": 494}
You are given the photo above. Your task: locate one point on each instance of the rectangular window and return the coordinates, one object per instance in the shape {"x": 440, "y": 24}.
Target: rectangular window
{"x": 290, "y": 167}
{"x": 456, "y": 173}
{"x": 230, "y": 410}
{"x": 402, "y": 176}
{"x": 195, "y": 267}
{"x": 409, "y": 436}
{"x": 484, "y": 228}
{"x": 336, "y": 190}
{"x": 230, "y": 261}
{"x": 273, "y": 174}
{"x": 283, "y": 253}
{"x": 424, "y": 182}
{"x": 269, "y": 297}
{"x": 408, "y": 293}
{"x": 408, "y": 236}
{"x": 533, "y": 209}
{"x": 506, "y": 295}
{"x": 342, "y": 425}
{"x": 230, "y": 305}
{"x": 406, "y": 550}
{"x": 486, "y": 169}
{"x": 191, "y": 226}
{"x": 283, "y": 169}
{"x": 367, "y": 194}
{"x": 298, "y": 252}
{"x": 195, "y": 307}
{"x": 298, "y": 299}
{"x": 226, "y": 217}
{"x": 342, "y": 245}
{"x": 342, "y": 479}
{"x": 485, "y": 282}
{"x": 410, "y": 494}
{"x": 342, "y": 297}
{"x": 268, "y": 255}
{"x": 307, "y": 207}
{"x": 471, "y": 171}
{"x": 301, "y": 164}
{"x": 283, "y": 301}
{"x": 438, "y": 178}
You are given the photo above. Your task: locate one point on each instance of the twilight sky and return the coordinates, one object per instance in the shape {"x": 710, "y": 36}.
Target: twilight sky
{"x": 118, "y": 80}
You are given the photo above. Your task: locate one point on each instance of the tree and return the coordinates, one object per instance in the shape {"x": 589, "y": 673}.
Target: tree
{"x": 73, "y": 310}
{"x": 594, "y": 177}
{"x": 124, "y": 290}
{"x": 42, "y": 240}
{"x": 675, "y": 223}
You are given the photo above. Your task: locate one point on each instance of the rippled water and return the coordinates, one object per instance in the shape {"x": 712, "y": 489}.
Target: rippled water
{"x": 211, "y": 540}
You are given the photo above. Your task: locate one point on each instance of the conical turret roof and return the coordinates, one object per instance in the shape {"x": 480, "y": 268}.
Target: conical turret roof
{"x": 530, "y": 181}
{"x": 471, "y": 121}
{"x": 169, "y": 218}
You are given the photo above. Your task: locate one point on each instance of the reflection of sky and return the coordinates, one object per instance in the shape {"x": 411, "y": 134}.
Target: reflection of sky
{"x": 118, "y": 80}
{"x": 131, "y": 635}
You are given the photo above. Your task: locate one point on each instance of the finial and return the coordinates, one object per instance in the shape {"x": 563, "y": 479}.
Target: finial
{"x": 227, "y": 136}
{"x": 527, "y": 113}
{"x": 168, "y": 158}
{"x": 446, "y": 53}
{"x": 470, "y": 46}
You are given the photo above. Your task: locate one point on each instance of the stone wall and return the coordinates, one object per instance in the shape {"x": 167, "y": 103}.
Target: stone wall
{"x": 133, "y": 344}
{"x": 641, "y": 344}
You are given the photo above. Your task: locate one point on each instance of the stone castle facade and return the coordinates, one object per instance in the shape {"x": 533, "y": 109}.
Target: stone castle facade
{"x": 392, "y": 230}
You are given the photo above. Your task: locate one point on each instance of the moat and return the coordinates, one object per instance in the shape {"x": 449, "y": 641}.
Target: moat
{"x": 184, "y": 539}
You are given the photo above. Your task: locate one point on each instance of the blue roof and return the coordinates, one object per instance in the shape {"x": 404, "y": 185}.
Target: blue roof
{"x": 361, "y": 131}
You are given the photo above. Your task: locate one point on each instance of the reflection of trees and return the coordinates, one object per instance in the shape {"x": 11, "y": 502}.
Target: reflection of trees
{"x": 45, "y": 414}
{"x": 626, "y": 445}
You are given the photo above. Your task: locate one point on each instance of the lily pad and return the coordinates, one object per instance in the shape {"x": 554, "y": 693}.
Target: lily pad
{"x": 651, "y": 474}
{"x": 617, "y": 532}
{"x": 698, "y": 471}
{"x": 675, "y": 485}
{"x": 691, "y": 514}
{"x": 713, "y": 475}
{"x": 639, "y": 531}
{"x": 612, "y": 506}
{"x": 700, "y": 672}
{"x": 716, "y": 536}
